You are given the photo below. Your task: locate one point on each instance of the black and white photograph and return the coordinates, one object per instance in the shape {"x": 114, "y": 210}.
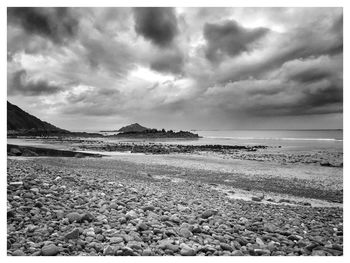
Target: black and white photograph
{"x": 174, "y": 131}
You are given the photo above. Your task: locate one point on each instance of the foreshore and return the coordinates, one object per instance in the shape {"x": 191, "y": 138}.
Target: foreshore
{"x": 172, "y": 204}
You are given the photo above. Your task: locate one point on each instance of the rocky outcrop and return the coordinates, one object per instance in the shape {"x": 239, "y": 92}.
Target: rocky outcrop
{"x": 29, "y": 151}
{"x": 135, "y": 127}
{"x": 154, "y": 133}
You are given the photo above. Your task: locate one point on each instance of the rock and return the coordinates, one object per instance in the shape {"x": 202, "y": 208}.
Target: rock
{"x": 262, "y": 252}
{"x": 15, "y": 151}
{"x": 225, "y": 246}
{"x": 257, "y": 198}
{"x": 113, "y": 240}
{"x": 163, "y": 244}
{"x": 127, "y": 251}
{"x": 90, "y": 232}
{"x": 131, "y": 215}
{"x": 208, "y": 213}
{"x": 284, "y": 200}
{"x": 29, "y": 153}
{"x": 108, "y": 251}
{"x": 185, "y": 232}
{"x": 59, "y": 214}
{"x": 79, "y": 155}
{"x": 148, "y": 208}
{"x": 50, "y": 250}
{"x": 237, "y": 253}
{"x": 74, "y": 217}
{"x": 318, "y": 253}
{"x": 141, "y": 227}
{"x": 259, "y": 242}
{"x": 16, "y": 184}
{"x": 73, "y": 234}
{"x": 295, "y": 237}
{"x": 147, "y": 252}
{"x": 186, "y": 250}
{"x": 10, "y": 213}
{"x": 18, "y": 253}
{"x": 35, "y": 190}
{"x": 87, "y": 217}
{"x": 182, "y": 208}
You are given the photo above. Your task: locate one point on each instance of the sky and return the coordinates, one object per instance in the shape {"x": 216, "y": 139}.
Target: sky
{"x": 87, "y": 69}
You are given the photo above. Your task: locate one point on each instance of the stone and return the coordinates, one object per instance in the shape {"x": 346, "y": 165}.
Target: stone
{"x": 318, "y": 253}
{"x": 186, "y": 250}
{"x": 18, "y": 253}
{"x": 148, "y": 208}
{"x": 116, "y": 240}
{"x": 147, "y": 252}
{"x": 295, "y": 237}
{"x": 259, "y": 242}
{"x": 262, "y": 252}
{"x": 59, "y": 214}
{"x": 127, "y": 251}
{"x": 225, "y": 246}
{"x": 16, "y": 184}
{"x": 87, "y": 217}
{"x": 50, "y": 250}
{"x": 141, "y": 227}
{"x": 237, "y": 253}
{"x": 208, "y": 213}
{"x": 73, "y": 217}
{"x": 108, "y": 251}
{"x": 15, "y": 151}
{"x": 184, "y": 232}
{"x": 257, "y": 198}
{"x": 35, "y": 190}
{"x": 131, "y": 215}
{"x": 73, "y": 234}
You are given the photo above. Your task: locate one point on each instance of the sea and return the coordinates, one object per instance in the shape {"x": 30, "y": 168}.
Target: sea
{"x": 288, "y": 139}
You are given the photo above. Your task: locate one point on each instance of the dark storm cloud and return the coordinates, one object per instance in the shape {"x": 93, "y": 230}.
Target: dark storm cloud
{"x": 169, "y": 61}
{"x": 229, "y": 38}
{"x": 310, "y": 75}
{"x": 301, "y": 43}
{"x": 158, "y": 24}
{"x": 109, "y": 55}
{"x": 21, "y": 85}
{"x": 56, "y": 24}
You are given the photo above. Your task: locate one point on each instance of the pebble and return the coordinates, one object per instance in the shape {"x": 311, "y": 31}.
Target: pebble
{"x": 18, "y": 253}
{"x": 108, "y": 251}
{"x": 50, "y": 250}
{"x": 186, "y": 250}
{"x": 73, "y": 234}
{"x": 73, "y": 217}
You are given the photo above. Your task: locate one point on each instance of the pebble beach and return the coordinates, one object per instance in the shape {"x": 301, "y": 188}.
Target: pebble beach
{"x": 127, "y": 206}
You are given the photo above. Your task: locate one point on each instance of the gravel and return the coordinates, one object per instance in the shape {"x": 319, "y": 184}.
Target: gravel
{"x": 104, "y": 211}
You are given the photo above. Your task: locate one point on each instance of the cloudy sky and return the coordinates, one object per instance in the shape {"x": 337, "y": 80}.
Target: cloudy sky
{"x": 179, "y": 68}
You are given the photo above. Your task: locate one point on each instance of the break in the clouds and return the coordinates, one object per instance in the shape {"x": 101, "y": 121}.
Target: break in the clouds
{"x": 180, "y": 68}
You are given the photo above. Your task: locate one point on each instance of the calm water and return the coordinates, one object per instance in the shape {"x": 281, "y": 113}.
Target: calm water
{"x": 298, "y": 140}
{"x": 290, "y": 139}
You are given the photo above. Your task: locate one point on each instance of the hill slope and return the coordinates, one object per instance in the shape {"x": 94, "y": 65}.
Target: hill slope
{"x": 133, "y": 128}
{"x": 19, "y": 121}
